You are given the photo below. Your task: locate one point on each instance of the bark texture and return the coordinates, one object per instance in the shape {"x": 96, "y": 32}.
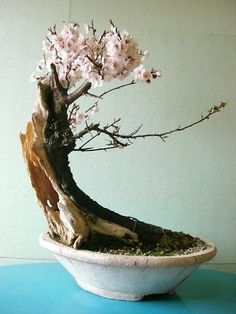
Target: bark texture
{"x": 73, "y": 217}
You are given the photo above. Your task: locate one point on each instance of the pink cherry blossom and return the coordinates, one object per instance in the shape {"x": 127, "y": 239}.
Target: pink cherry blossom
{"x": 96, "y": 58}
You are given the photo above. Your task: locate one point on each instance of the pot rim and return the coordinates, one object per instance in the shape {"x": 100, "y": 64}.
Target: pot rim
{"x": 196, "y": 258}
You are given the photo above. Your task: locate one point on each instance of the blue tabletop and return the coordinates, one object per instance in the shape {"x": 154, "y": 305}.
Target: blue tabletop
{"x": 49, "y": 289}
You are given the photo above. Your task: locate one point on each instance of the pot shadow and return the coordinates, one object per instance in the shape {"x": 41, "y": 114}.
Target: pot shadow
{"x": 165, "y": 297}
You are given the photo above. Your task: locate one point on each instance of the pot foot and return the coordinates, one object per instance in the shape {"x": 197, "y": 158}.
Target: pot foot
{"x": 116, "y": 295}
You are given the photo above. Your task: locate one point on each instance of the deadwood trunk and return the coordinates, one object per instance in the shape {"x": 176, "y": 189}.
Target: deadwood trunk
{"x": 73, "y": 217}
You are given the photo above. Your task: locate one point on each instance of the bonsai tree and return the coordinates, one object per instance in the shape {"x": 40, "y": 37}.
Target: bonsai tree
{"x": 72, "y": 67}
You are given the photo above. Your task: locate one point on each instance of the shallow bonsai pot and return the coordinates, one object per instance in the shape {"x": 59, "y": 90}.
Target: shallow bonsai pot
{"x": 126, "y": 277}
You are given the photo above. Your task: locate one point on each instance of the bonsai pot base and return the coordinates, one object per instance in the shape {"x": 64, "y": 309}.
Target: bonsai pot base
{"x": 125, "y": 277}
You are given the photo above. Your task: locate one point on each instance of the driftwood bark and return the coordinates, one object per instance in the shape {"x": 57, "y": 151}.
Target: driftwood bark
{"x": 73, "y": 217}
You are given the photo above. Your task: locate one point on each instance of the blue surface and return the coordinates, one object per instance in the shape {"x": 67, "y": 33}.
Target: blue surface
{"x": 48, "y": 289}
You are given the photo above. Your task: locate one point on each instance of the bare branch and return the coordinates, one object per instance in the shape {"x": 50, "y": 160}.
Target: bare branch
{"x": 95, "y": 127}
{"x": 69, "y": 67}
{"x": 59, "y": 87}
{"x": 85, "y": 131}
{"x": 137, "y": 130}
{"x": 93, "y": 107}
{"x": 93, "y": 29}
{"x": 92, "y": 95}
{"x": 91, "y": 149}
{"x": 102, "y": 36}
{"x": 164, "y": 135}
{"x": 115, "y": 88}
{"x": 81, "y": 90}
{"x": 92, "y": 127}
{"x": 115, "y": 136}
{"x": 109, "y": 91}
{"x": 74, "y": 109}
{"x": 81, "y": 148}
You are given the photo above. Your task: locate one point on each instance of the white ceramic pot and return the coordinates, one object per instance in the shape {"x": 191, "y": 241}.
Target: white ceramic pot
{"x": 126, "y": 277}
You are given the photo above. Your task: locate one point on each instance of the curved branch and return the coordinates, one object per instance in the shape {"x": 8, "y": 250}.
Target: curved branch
{"x": 164, "y": 135}
{"x": 115, "y": 88}
{"x": 110, "y": 90}
{"x": 92, "y": 149}
{"x": 115, "y": 135}
{"x": 61, "y": 93}
{"x": 69, "y": 99}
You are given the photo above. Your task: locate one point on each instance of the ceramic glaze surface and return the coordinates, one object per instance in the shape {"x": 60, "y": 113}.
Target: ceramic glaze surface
{"x": 126, "y": 277}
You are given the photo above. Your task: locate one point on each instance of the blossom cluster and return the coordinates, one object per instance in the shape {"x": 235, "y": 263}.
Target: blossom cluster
{"x": 92, "y": 57}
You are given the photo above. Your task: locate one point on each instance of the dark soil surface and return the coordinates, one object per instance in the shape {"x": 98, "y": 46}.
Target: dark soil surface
{"x": 176, "y": 243}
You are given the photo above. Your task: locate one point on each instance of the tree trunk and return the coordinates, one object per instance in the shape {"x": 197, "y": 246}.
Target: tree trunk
{"x": 73, "y": 217}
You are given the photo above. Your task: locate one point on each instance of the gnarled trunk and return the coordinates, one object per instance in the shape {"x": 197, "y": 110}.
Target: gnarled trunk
{"x": 73, "y": 217}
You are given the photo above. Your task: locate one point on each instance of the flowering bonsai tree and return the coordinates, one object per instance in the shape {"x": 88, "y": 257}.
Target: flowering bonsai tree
{"x": 72, "y": 67}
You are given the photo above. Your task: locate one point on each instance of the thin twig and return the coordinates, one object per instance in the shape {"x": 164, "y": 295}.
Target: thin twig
{"x": 92, "y": 127}
{"x": 88, "y": 129}
{"x": 163, "y": 135}
{"x": 85, "y": 131}
{"x": 74, "y": 109}
{"x": 81, "y": 148}
{"x": 115, "y": 88}
{"x": 109, "y": 91}
{"x": 115, "y": 135}
{"x": 67, "y": 74}
{"x": 92, "y": 95}
{"x": 91, "y": 149}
